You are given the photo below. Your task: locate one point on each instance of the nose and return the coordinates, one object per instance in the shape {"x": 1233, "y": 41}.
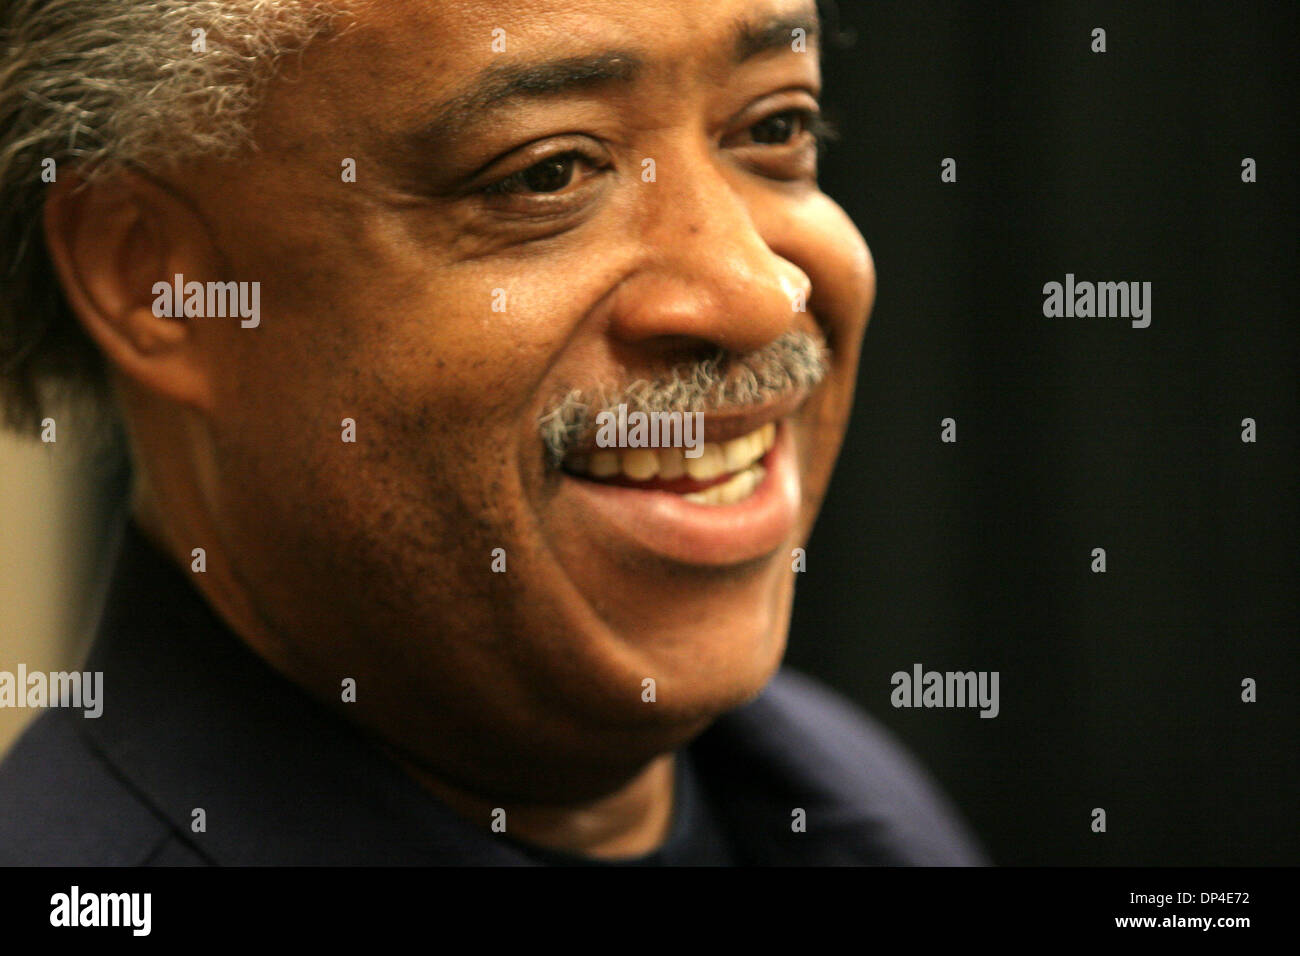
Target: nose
{"x": 708, "y": 274}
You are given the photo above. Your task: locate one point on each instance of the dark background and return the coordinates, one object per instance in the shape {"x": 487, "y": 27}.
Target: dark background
{"x": 1119, "y": 690}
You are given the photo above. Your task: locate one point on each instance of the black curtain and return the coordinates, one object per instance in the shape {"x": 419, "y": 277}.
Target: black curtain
{"x": 1119, "y": 690}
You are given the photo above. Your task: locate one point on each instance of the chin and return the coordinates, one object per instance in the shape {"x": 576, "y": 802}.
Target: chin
{"x": 701, "y": 675}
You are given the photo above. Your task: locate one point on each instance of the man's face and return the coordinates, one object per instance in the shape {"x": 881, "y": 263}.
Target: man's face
{"x": 502, "y": 245}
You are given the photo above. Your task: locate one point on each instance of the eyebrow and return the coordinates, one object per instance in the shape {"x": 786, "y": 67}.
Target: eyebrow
{"x": 755, "y": 38}
{"x": 498, "y": 85}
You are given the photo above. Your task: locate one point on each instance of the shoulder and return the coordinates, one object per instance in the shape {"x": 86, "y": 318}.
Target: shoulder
{"x": 62, "y": 804}
{"x": 800, "y": 745}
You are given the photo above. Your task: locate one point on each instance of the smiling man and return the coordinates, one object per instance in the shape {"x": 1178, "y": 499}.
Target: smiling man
{"x": 384, "y": 596}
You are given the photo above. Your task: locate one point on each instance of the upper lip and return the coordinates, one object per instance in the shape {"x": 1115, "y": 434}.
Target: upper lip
{"x": 722, "y": 426}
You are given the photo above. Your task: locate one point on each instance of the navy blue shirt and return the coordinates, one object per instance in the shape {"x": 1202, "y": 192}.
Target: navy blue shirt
{"x": 193, "y": 719}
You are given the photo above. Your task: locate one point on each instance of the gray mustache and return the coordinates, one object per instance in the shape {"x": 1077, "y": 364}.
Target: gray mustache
{"x": 723, "y": 381}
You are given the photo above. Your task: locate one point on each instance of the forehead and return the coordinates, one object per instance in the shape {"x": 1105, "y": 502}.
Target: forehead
{"x": 459, "y": 27}
{"x": 438, "y": 49}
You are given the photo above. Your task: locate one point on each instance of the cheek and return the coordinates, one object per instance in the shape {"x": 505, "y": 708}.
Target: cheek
{"x": 831, "y": 250}
{"x": 843, "y": 274}
{"x": 816, "y": 235}
{"x": 439, "y": 363}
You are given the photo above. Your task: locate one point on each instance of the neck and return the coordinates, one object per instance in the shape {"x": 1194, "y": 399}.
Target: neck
{"x": 631, "y": 821}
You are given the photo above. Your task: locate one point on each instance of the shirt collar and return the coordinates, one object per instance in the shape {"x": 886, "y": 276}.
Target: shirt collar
{"x": 193, "y": 719}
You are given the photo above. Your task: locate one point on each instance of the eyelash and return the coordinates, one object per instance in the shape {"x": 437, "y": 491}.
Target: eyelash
{"x": 515, "y": 182}
{"x": 811, "y": 122}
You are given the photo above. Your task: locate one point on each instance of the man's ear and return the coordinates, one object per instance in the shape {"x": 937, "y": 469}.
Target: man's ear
{"x": 110, "y": 240}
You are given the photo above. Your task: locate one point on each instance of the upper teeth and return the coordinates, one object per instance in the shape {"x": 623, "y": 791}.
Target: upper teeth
{"x": 642, "y": 464}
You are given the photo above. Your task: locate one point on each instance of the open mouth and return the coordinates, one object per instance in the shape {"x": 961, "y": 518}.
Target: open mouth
{"x": 737, "y": 502}
{"x": 725, "y": 473}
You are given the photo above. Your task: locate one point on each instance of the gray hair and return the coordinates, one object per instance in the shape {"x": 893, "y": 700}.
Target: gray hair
{"x": 722, "y": 380}
{"x": 101, "y": 85}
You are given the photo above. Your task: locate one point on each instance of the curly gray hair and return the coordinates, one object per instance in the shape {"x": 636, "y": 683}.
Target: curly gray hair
{"x": 100, "y": 85}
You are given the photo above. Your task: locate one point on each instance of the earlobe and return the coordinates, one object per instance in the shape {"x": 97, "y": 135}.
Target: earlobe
{"x": 110, "y": 242}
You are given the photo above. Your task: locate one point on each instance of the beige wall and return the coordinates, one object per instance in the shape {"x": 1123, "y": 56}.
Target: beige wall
{"x": 57, "y": 529}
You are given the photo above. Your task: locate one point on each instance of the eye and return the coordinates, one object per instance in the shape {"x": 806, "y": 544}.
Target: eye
{"x": 784, "y": 145}
{"x": 780, "y": 127}
{"x": 550, "y": 175}
{"x": 794, "y": 128}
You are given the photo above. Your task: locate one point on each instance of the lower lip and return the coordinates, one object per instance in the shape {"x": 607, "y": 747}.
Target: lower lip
{"x": 670, "y": 526}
